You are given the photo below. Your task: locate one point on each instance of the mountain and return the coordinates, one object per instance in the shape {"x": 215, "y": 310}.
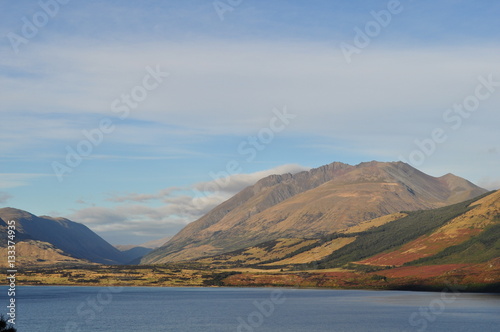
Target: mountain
{"x": 153, "y": 244}
{"x": 458, "y": 244}
{"x": 133, "y": 253}
{"x": 312, "y": 204}
{"x": 465, "y": 232}
{"x": 66, "y": 240}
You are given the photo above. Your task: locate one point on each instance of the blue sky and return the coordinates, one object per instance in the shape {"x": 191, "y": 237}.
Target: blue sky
{"x": 274, "y": 72}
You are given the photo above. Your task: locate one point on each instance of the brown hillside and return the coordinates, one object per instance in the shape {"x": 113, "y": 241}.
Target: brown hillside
{"x": 35, "y": 253}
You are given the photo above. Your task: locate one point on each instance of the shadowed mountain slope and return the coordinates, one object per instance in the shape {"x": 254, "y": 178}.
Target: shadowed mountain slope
{"x": 73, "y": 239}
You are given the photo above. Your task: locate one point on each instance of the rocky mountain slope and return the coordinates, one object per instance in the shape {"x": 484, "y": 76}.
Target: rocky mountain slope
{"x": 312, "y": 204}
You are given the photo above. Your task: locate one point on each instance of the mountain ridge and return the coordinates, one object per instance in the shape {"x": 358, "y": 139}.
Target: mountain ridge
{"x": 73, "y": 239}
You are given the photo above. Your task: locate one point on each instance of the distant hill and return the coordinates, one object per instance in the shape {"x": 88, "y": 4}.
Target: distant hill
{"x": 153, "y": 244}
{"x": 312, "y": 204}
{"x": 133, "y": 253}
{"x": 46, "y": 239}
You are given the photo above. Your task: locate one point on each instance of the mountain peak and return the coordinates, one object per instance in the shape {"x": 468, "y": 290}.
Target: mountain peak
{"x": 13, "y": 213}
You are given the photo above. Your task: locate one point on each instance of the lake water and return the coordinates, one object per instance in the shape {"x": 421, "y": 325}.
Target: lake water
{"x": 63, "y": 309}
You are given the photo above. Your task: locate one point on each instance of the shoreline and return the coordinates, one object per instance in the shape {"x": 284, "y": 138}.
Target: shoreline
{"x": 417, "y": 289}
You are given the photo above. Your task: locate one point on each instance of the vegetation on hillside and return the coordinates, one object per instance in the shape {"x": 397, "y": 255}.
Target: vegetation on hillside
{"x": 481, "y": 248}
{"x": 394, "y": 234}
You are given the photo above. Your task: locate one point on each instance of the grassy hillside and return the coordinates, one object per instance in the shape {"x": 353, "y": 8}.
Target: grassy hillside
{"x": 481, "y": 248}
{"x": 264, "y": 253}
{"x": 394, "y": 234}
{"x": 38, "y": 253}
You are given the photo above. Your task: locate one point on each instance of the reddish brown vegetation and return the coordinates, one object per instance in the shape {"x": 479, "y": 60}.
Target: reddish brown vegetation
{"x": 422, "y": 247}
{"x": 431, "y": 276}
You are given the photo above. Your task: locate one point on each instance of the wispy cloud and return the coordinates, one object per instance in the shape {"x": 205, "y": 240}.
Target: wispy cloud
{"x": 179, "y": 206}
{"x": 490, "y": 183}
{"x": 136, "y": 197}
{"x": 232, "y": 184}
{"x": 392, "y": 88}
{"x": 13, "y": 180}
{"x": 137, "y": 220}
{"x": 228, "y": 185}
{"x": 4, "y": 197}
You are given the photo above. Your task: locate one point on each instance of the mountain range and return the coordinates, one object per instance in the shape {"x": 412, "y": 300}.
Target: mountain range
{"x": 312, "y": 204}
{"x": 374, "y": 224}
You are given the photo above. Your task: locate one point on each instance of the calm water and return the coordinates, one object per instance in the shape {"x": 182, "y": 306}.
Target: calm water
{"x": 62, "y": 309}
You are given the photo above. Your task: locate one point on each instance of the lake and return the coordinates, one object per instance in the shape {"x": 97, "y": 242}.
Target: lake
{"x": 64, "y": 309}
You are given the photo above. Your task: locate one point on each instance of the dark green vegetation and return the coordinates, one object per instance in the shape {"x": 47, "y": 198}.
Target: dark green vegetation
{"x": 217, "y": 279}
{"x": 395, "y": 234}
{"x": 481, "y": 248}
{"x": 4, "y": 327}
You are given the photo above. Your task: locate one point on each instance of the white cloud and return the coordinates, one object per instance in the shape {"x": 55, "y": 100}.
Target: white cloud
{"x": 234, "y": 183}
{"x": 177, "y": 209}
{"x": 131, "y": 219}
{"x": 376, "y": 107}
{"x": 136, "y": 197}
{"x": 233, "y": 87}
{"x": 13, "y": 180}
{"x": 4, "y": 197}
{"x": 489, "y": 183}
{"x": 222, "y": 186}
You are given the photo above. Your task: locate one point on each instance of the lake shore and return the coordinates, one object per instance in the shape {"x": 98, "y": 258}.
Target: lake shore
{"x": 176, "y": 276}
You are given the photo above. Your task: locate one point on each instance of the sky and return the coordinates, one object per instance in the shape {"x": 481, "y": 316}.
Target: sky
{"x": 137, "y": 117}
